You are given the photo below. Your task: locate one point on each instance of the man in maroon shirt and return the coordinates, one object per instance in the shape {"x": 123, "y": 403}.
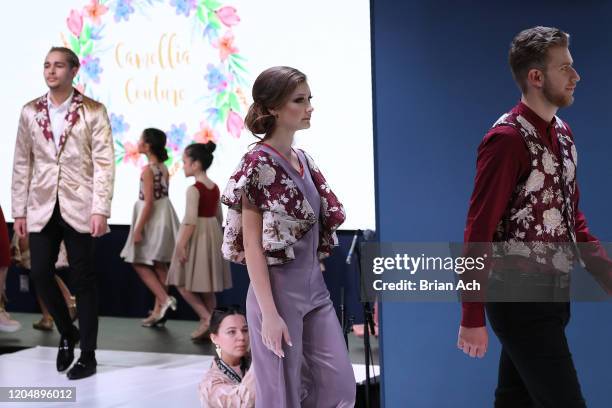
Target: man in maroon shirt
{"x": 536, "y": 368}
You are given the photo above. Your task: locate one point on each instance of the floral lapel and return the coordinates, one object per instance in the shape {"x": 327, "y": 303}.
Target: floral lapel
{"x": 42, "y": 117}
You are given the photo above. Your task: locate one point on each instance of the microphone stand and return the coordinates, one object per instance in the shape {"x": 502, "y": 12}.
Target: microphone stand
{"x": 368, "y": 328}
{"x": 346, "y": 322}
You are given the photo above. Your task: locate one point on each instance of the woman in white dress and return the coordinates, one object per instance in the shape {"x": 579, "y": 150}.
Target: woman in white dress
{"x": 154, "y": 225}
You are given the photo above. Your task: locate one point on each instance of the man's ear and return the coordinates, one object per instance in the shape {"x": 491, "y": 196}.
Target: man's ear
{"x": 535, "y": 78}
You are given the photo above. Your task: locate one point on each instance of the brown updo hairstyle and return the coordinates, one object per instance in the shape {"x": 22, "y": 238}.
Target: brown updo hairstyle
{"x": 271, "y": 90}
{"x": 202, "y": 152}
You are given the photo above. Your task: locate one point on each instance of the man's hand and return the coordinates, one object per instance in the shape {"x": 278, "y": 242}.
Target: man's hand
{"x": 98, "y": 225}
{"x": 20, "y": 227}
{"x": 473, "y": 341}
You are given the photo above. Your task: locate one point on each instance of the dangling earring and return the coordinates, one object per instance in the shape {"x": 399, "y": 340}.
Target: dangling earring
{"x": 218, "y": 350}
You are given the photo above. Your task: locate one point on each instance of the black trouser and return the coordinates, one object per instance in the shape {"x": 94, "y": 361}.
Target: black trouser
{"x": 535, "y": 367}
{"x": 44, "y": 248}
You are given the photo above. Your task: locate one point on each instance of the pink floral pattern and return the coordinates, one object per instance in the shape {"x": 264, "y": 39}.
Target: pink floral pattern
{"x": 228, "y": 16}
{"x": 224, "y": 100}
{"x": 75, "y": 22}
{"x": 226, "y": 46}
{"x": 42, "y": 117}
{"x": 287, "y": 215}
{"x": 235, "y": 124}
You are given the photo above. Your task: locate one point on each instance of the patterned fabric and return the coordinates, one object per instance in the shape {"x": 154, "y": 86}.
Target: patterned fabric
{"x": 42, "y": 116}
{"x": 539, "y": 221}
{"x": 287, "y": 216}
{"x": 160, "y": 185}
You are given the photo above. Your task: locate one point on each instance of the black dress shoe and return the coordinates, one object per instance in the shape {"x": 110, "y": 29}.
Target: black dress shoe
{"x": 82, "y": 369}
{"x": 65, "y": 351}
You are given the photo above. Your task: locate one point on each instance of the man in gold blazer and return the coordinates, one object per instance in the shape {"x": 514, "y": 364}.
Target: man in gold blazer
{"x": 62, "y": 187}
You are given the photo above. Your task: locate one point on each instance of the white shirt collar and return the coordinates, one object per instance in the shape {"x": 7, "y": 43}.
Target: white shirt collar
{"x": 64, "y": 104}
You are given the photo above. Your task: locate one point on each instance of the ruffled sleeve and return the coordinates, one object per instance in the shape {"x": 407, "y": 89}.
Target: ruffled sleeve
{"x": 251, "y": 174}
{"x": 332, "y": 211}
{"x": 243, "y": 181}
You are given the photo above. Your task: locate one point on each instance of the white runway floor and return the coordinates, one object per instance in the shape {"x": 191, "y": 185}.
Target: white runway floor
{"x": 124, "y": 378}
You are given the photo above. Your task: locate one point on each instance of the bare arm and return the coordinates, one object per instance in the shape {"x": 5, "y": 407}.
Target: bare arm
{"x": 189, "y": 222}
{"x": 185, "y": 235}
{"x": 252, "y": 223}
{"x": 183, "y": 240}
{"x": 273, "y": 327}
{"x": 219, "y": 214}
{"x": 147, "y": 179}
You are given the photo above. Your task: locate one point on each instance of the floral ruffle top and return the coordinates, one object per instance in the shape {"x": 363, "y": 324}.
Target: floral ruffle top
{"x": 287, "y": 215}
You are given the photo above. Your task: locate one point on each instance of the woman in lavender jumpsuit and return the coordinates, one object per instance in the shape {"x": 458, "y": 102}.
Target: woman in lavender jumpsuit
{"x": 299, "y": 355}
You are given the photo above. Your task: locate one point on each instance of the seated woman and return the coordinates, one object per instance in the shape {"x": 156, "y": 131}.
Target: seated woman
{"x": 229, "y": 383}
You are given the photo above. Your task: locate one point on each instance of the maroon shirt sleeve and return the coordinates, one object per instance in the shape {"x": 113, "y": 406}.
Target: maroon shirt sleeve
{"x": 503, "y": 160}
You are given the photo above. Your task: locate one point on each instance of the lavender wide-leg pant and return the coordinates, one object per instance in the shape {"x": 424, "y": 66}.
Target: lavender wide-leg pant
{"x": 316, "y": 371}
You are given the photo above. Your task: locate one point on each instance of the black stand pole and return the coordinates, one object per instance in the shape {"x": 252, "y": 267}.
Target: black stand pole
{"x": 368, "y": 328}
{"x": 345, "y": 321}
{"x": 343, "y": 316}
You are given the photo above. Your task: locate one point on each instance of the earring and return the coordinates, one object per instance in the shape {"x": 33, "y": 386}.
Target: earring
{"x": 218, "y": 350}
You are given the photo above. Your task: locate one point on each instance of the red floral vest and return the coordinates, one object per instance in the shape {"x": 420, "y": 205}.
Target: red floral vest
{"x": 539, "y": 220}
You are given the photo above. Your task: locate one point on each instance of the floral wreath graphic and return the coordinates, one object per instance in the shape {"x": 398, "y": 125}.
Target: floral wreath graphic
{"x": 225, "y": 99}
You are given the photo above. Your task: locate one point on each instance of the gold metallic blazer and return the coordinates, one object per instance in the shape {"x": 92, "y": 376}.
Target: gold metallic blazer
{"x": 79, "y": 173}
